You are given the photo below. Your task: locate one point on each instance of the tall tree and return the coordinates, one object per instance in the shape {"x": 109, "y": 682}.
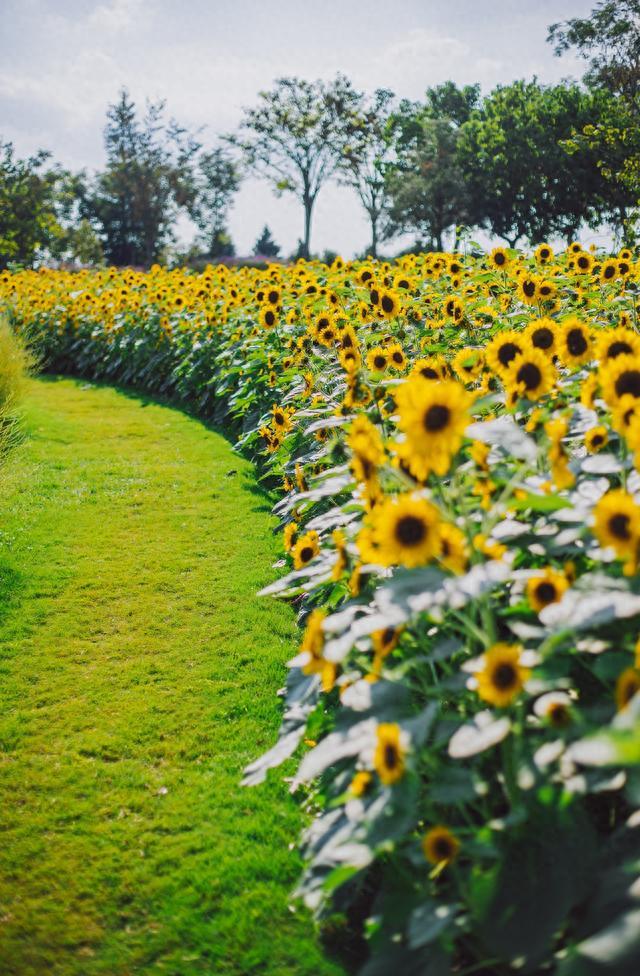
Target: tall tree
{"x": 521, "y": 182}
{"x": 28, "y": 216}
{"x": 294, "y": 137}
{"x": 216, "y": 180}
{"x": 609, "y": 40}
{"x": 147, "y": 180}
{"x": 425, "y": 183}
{"x": 366, "y": 157}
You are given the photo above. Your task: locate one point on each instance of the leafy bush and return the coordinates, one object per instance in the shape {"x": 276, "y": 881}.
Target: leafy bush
{"x": 14, "y": 363}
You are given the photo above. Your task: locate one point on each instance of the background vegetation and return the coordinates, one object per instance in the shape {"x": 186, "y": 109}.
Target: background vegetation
{"x": 526, "y": 161}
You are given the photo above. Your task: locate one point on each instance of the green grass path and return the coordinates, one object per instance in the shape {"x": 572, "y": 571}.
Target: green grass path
{"x": 138, "y": 673}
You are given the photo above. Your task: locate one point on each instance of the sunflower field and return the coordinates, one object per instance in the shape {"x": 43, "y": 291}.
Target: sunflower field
{"x": 455, "y": 442}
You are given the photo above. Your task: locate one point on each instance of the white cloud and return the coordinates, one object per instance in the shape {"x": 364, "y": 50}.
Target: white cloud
{"x": 115, "y": 16}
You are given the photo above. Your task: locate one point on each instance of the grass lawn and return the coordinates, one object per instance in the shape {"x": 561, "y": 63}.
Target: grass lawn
{"x": 138, "y": 673}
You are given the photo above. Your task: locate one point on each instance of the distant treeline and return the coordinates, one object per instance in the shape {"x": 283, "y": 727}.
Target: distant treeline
{"x": 526, "y": 162}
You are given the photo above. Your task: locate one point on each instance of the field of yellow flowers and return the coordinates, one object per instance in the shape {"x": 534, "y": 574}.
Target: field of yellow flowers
{"x": 456, "y": 444}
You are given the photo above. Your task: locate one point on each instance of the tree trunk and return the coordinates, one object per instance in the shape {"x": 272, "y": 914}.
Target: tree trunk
{"x": 306, "y": 243}
{"x": 374, "y": 235}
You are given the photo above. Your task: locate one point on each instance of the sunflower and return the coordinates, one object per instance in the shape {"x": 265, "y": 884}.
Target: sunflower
{"x": 454, "y": 308}
{"x": 361, "y": 783}
{"x": 290, "y": 535}
{"x": 377, "y": 359}
{"x": 547, "y": 291}
{"x": 388, "y": 758}
{"x": 574, "y": 248}
{"x": 281, "y": 418}
{"x": 268, "y": 317}
{"x": 453, "y": 548}
{"x": 431, "y": 368}
{"x": 440, "y": 846}
{"x": 609, "y": 270}
{"x": 627, "y": 687}
{"x": 306, "y": 548}
{"x": 468, "y": 363}
{"x": 530, "y": 374}
{"x": 583, "y": 263}
{"x": 498, "y": 258}
{"x": 385, "y": 641}
{"x": 390, "y": 304}
{"x": 543, "y": 254}
{"x": 555, "y": 708}
{"x": 528, "y": 289}
{"x": 574, "y": 342}
{"x": 545, "y": 589}
{"x": 433, "y": 417}
{"x": 617, "y": 342}
{"x": 365, "y": 441}
{"x": 543, "y": 335}
{"x": 403, "y": 530}
{"x": 502, "y": 677}
{"x": 616, "y": 524}
{"x": 502, "y": 349}
{"x": 620, "y": 377}
{"x": 595, "y": 439}
{"x": 397, "y": 358}
{"x": 312, "y": 647}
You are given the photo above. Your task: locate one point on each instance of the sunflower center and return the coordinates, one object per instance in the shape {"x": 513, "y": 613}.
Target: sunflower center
{"x": 546, "y": 592}
{"x": 559, "y": 714}
{"x": 388, "y": 304}
{"x": 379, "y": 362}
{"x": 388, "y": 635}
{"x": 410, "y": 530}
{"x": 505, "y": 676}
{"x": 507, "y": 352}
{"x": 576, "y": 342}
{"x": 306, "y": 553}
{"x": 436, "y": 418}
{"x": 390, "y": 756}
{"x": 618, "y": 349}
{"x": 619, "y": 526}
{"x": 529, "y": 374}
{"x": 529, "y": 288}
{"x": 543, "y": 338}
{"x": 429, "y": 373}
{"x": 499, "y": 258}
{"x": 628, "y": 382}
{"x": 609, "y": 271}
{"x": 442, "y": 848}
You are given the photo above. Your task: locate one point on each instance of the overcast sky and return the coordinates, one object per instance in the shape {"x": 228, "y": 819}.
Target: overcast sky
{"x": 63, "y": 61}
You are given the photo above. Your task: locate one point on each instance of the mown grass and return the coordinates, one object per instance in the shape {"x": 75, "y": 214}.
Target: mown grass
{"x": 137, "y": 677}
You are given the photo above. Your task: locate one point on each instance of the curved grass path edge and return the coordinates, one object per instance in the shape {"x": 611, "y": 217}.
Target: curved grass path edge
{"x": 137, "y": 677}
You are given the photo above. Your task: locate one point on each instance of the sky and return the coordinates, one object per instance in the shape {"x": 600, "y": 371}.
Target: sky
{"x": 63, "y": 61}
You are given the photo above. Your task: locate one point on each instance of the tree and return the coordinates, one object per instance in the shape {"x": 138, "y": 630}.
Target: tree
{"x": 147, "y": 180}
{"x": 216, "y": 179}
{"x": 294, "y": 137}
{"x": 265, "y": 245}
{"x": 425, "y": 183}
{"x": 28, "y": 218}
{"x": 366, "y": 158}
{"x": 609, "y": 39}
{"x": 521, "y": 183}
{"x": 426, "y": 189}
